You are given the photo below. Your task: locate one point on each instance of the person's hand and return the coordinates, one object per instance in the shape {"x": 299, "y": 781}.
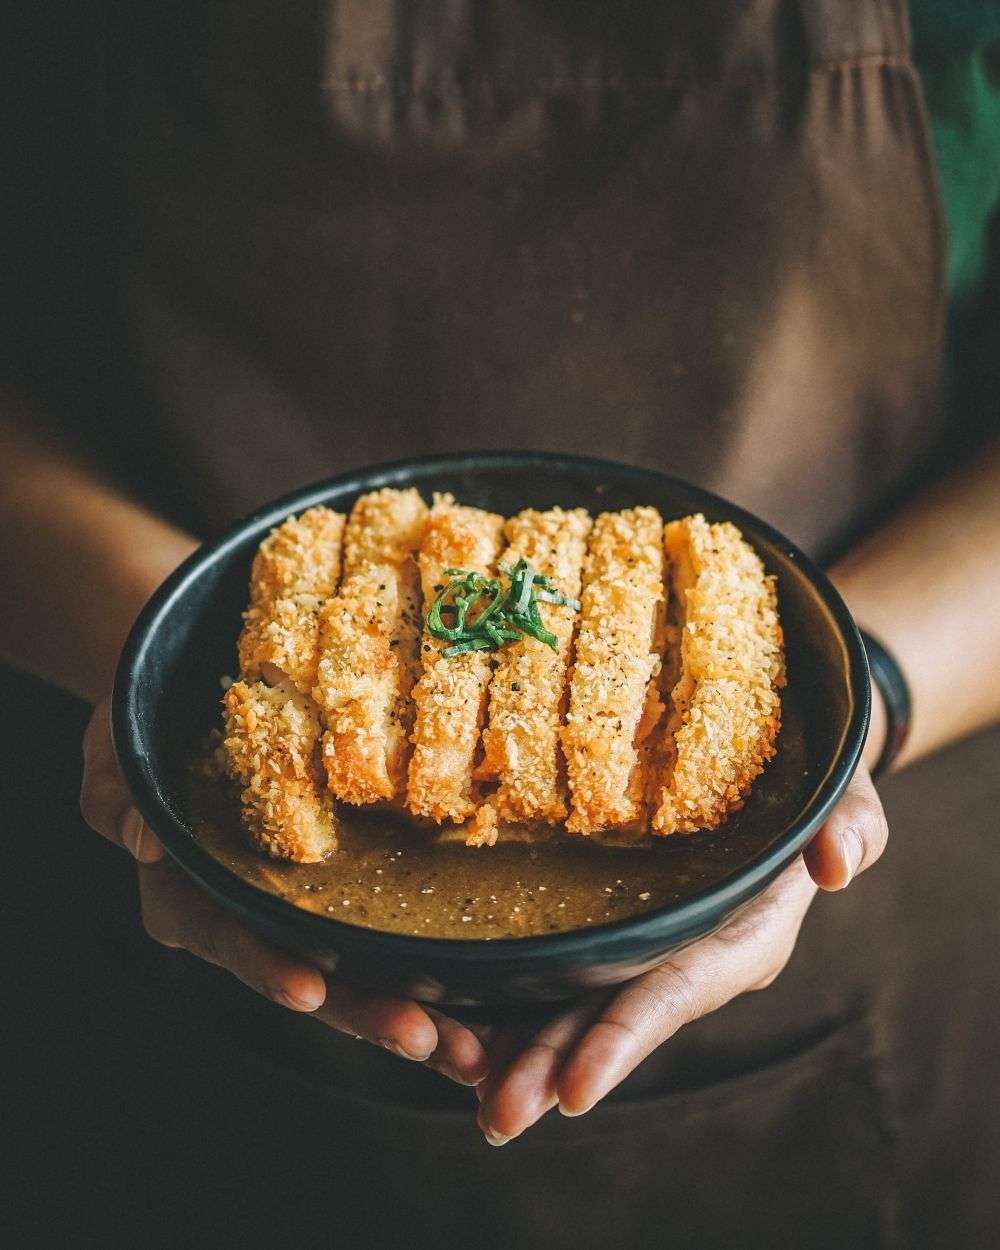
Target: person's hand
{"x": 176, "y": 913}
{"x": 581, "y": 1055}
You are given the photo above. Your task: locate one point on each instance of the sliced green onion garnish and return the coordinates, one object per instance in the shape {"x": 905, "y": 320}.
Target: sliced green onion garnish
{"x": 527, "y": 576}
{"x": 486, "y": 615}
{"x": 553, "y": 596}
{"x": 469, "y": 644}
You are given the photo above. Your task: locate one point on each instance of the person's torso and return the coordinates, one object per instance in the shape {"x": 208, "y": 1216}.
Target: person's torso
{"x": 703, "y": 238}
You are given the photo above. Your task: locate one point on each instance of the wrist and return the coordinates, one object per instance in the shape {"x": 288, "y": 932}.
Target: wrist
{"x": 143, "y": 567}
{"x": 77, "y": 563}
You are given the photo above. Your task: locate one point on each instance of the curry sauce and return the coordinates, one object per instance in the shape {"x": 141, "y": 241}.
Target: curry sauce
{"x": 388, "y": 874}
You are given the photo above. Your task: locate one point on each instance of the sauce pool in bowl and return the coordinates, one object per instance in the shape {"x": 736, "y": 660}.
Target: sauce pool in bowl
{"x": 390, "y": 876}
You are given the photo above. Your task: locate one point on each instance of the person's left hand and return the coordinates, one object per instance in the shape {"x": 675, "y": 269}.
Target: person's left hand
{"x": 581, "y": 1055}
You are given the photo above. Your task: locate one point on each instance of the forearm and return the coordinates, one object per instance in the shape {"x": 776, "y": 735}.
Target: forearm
{"x": 928, "y": 585}
{"x": 77, "y": 562}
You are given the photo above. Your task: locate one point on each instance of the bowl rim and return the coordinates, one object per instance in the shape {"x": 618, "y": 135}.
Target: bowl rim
{"x": 326, "y": 932}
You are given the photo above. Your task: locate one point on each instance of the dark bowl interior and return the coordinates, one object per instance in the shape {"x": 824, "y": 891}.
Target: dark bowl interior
{"x": 167, "y": 699}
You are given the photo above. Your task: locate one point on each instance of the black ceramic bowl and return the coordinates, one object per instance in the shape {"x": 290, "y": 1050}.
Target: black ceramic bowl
{"x": 167, "y": 698}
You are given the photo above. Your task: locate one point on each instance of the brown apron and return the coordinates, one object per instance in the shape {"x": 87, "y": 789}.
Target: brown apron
{"x": 702, "y": 237}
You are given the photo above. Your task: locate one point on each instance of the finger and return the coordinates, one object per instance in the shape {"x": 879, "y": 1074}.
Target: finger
{"x": 176, "y": 913}
{"x": 397, "y": 1024}
{"x": 508, "y": 1041}
{"x": 459, "y": 1055}
{"x": 104, "y": 796}
{"x": 502, "y": 1049}
{"x": 525, "y": 1090}
{"x": 852, "y": 839}
{"x": 746, "y": 954}
{"x": 105, "y": 801}
{"x": 137, "y": 838}
{"x": 486, "y": 1033}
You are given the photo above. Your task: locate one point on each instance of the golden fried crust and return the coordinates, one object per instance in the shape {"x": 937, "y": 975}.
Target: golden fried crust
{"x": 295, "y": 570}
{"x": 526, "y": 697}
{"x": 279, "y": 641}
{"x": 451, "y": 694}
{"x": 270, "y": 743}
{"x": 356, "y": 685}
{"x": 369, "y": 649}
{"x": 615, "y": 660}
{"x": 726, "y": 709}
{"x": 300, "y": 557}
{"x": 385, "y": 527}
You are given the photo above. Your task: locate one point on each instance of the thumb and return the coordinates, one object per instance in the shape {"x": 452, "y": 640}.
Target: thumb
{"x": 105, "y": 801}
{"x": 852, "y": 839}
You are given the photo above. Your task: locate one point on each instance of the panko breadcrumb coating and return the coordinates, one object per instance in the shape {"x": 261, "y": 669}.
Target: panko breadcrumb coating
{"x": 369, "y": 644}
{"x": 622, "y": 605}
{"x": 726, "y": 709}
{"x": 526, "y": 696}
{"x": 385, "y": 527}
{"x": 451, "y": 694}
{"x": 270, "y": 741}
{"x": 639, "y": 717}
{"x": 295, "y": 570}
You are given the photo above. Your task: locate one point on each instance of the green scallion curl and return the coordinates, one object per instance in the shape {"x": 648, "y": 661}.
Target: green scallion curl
{"x": 488, "y": 615}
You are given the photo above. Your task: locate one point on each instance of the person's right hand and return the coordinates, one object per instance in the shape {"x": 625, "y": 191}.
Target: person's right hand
{"x": 176, "y": 913}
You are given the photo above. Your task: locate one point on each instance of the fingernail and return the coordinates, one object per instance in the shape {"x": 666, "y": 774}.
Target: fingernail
{"x": 570, "y": 1113}
{"x": 853, "y": 852}
{"x": 495, "y": 1138}
{"x": 296, "y": 1003}
{"x": 131, "y": 832}
{"x": 401, "y": 1051}
{"x": 452, "y": 1073}
{"x": 481, "y": 1090}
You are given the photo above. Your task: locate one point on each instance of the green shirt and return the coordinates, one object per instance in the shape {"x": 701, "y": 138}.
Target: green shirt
{"x": 957, "y": 52}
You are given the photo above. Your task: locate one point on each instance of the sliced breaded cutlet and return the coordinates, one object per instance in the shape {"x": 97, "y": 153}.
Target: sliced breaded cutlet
{"x": 527, "y": 692}
{"x": 385, "y": 527}
{"x": 616, "y": 657}
{"x": 450, "y": 696}
{"x": 726, "y": 709}
{"x": 271, "y": 736}
{"x": 296, "y": 569}
{"x": 369, "y": 649}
